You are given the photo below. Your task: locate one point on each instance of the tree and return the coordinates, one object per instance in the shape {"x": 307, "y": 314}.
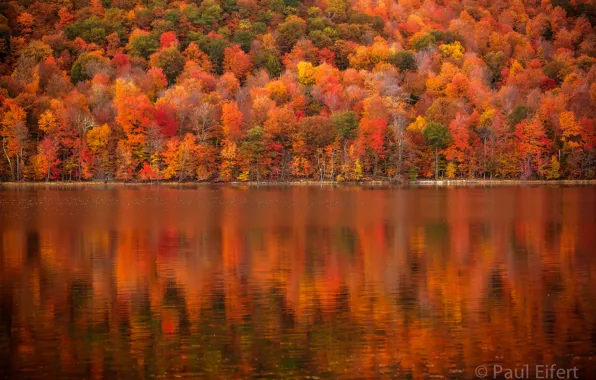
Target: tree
{"x": 571, "y": 131}
{"x": 210, "y": 14}
{"x": 165, "y": 117}
{"x": 372, "y": 132}
{"x": 66, "y": 18}
{"x": 26, "y": 22}
{"x": 397, "y": 107}
{"x": 231, "y": 121}
{"x": 252, "y": 149}
{"x": 97, "y": 143}
{"x": 421, "y": 40}
{"x": 168, "y": 40}
{"x": 14, "y": 137}
{"x": 148, "y": 173}
{"x": 315, "y": 133}
{"x": 170, "y": 61}
{"x": 142, "y": 45}
{"x": 48, "y": 122}
{"x": 280, "y": 127}
{"x": 237, "y": 61}
{"x": 459, "y": 149}
{"x": 194, "y": 54}
{"x": 437, "y": 136}
{"x": 134, "y": 113}
{"x": 346, "y": 124}
{"x": 454, "y": 50}
{"x": 337, "y": 10}
{"x": 88, "y": 65}
{"x": 531, "y": 141}
{"x": 213, "y": 45}
{"x": 553, "y": 171}
{"x": 306, "y": 73}
{"x": 45, "y": 163}
{"x": 403, "y": 60}
{"x": 289, "y": 32}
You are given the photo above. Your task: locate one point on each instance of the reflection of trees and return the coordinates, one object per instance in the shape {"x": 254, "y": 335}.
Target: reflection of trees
{"x": 230, "y": 283}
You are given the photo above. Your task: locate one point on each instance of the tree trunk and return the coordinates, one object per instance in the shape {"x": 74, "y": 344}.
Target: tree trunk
{"x": 80, "y": 156}
{"x": 20, "y": 165}
{"x": 484, "y": 157}
{"x": 8, "y": 158}
{"x": 181, "y": 177}
{"x": 399, "y": 158}
{"x": 436, "y": 164}
{"x": 283, "y": 163}
{"x": 258, "y": 171}
{"x": 332, "y": 165}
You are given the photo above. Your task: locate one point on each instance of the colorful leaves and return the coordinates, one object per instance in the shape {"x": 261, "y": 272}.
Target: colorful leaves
{"x": 231, "y": 120}
{"x": 319, "y": 83}
{"x": 306, "y": 73}
{"x": 168, "y": 39}
{"x": 453, "y": 50}
{"x": 571, "y": 131}
{"x": 372, "y": 134}
{"x": 98, "y": 138}
{"x": 237, "y": 61}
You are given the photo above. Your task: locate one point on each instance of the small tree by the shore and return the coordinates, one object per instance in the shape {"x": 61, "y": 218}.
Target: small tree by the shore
{"x": 437, "y": 136}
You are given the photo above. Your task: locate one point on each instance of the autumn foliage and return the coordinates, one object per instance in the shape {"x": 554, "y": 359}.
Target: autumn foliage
{"x": 325, "y": 90}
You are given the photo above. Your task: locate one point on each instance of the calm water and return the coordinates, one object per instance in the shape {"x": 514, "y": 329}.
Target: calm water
{"x": 291, "y": 282}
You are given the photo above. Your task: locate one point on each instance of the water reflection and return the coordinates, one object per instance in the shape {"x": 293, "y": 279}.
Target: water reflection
{"x": 286, "y": 282}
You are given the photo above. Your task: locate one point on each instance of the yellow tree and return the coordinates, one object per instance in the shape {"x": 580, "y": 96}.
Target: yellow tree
{"x": 97, "y": 142}
{"x": 571, "y": 135}
{"x": 180, "y": 158}
{"x": 306, "y": 73}
{"x": 14, "y": 137}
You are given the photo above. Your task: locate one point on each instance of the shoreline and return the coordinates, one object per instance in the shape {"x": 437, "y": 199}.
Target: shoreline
{"x": 367, "y": 183}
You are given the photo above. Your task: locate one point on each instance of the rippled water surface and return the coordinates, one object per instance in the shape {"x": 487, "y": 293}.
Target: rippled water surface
{"x": 291, "y": 282}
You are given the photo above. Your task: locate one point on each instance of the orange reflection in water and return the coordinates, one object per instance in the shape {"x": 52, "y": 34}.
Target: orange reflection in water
{"x": 236, "y": 282}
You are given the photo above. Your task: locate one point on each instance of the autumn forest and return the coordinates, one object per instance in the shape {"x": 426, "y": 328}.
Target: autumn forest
{"x": 278, "y": 90}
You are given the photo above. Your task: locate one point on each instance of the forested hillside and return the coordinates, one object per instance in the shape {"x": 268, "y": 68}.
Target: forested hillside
{"x": 228, "y": 90}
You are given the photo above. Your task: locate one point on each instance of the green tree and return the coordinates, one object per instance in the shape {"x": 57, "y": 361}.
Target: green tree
{"x": 437, "y": 136}
{"x": 244, "y": 38}
{"x": 170, "y": 61}
{"x": 346, "y": 125}
{"x": 212, "y": 46}
{"x": 494, "y": 62}
{"x": 87, "y": 65}
{"x": 36, "y": 51}
{"x": 210, "y": 14}
{"x": 289, "y": 32}
{"x": 192, "y": 13}
{"x": 92, "y": 29}
{"x": 403, "y": 60}
{"x": 424, "y": 41}
{"x": 252, "y": 149}
{"x": 517, "y": 115}
{"x": 143, "y": 45}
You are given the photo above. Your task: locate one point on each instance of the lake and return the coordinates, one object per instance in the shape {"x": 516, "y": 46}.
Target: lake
{"x": 223, "y": 282}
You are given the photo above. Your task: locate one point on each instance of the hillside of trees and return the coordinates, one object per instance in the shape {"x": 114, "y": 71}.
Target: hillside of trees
{"x": 245, "y": 90}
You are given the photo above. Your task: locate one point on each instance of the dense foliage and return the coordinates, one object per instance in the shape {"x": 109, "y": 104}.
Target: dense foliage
{"x": 284, "y": 89}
